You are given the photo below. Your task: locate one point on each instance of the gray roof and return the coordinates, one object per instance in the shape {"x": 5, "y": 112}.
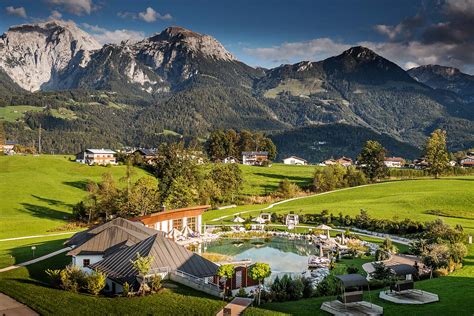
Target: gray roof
{"x": 251, "y": 153}
{"x": 403, "y": 269}
{"x": 105, "y": 241}
{"x": 166, "y": 254}
{"x": 81, "y": 237}
{"x": 349, "y": 280}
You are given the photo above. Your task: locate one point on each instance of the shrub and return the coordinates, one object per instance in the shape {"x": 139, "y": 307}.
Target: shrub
{"x": 308, "y": 290}
{"x": 95, "y": 282}
{"x": 295, "y": 289}
{"x": 54, "y": 277}
{"x": 155, "y": 283}
{"x": 72, "y": 278}
{"x": 352, "y": 269}
{"x": 381, "y": 255}
{"x": 440, "y": 272}
{"x": 126, "y": 289}
{"x": 327, "y": 287}
{"x": 242, "y": 293}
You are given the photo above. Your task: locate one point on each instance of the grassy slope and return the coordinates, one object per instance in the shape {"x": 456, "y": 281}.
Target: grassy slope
{"x": 262, "y": 180}
{"x": 27, "y": 286}
{"x": 13, "y": 113}
{"x": 453, "y": 197}
{"x": 38, "y": 192}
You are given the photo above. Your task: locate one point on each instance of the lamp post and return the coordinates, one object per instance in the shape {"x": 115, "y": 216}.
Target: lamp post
{"x": 33, "y": 248}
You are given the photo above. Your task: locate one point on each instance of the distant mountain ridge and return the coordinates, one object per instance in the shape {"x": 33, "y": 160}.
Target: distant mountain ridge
{"x": 187, "y": 82}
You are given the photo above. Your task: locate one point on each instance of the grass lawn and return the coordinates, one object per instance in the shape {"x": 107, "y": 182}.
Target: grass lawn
{"x": 18, "y": 251}
{"x": 13, "y": 113}
{"x": 28, "y": 286}
{"x": 451, "y": 199}
{"x": 262, "y": 180}
{"x": 38, "y": 192}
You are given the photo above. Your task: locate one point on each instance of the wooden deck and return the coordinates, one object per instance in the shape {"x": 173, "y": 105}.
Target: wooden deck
{"x": 414, "y": 297}
{"x": 351, "y": 309}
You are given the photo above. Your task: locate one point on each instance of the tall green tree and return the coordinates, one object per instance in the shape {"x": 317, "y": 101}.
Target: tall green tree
{"x": 226, "y": 271}
{"x": 258, "y": 272}
{"x": 372, "y": 160}
{"x": 436, "y": 153}
{"x": 228, "y": 178}
{"x": 143, "y": 198}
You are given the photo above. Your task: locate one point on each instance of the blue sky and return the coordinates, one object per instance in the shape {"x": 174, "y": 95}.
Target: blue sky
{"x": 270, "y": 32}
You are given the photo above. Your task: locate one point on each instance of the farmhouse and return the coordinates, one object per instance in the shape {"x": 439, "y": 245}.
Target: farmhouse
{"x": 394, "y": 162}
{"x": 111, "y": 248}
{"x": 293, "y": 160}
{"x": 7, "y": 148}
{"x": 97, "y": 157}
{"x": 343, "y": 161}
{"x": 254, "y": 158}
{"x": 148, "y": 155}
{"x": 468, "y": 161}
{"x": 175, "y": 220}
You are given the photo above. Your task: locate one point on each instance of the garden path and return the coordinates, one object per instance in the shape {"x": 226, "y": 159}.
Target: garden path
{"x": 11, "y": 307}
{"x": 236, "y": 306}
{"x": 26, "y": 263}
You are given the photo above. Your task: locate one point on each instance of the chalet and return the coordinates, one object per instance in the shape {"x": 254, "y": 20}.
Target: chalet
{"x": 293, "y": 160}
{"x": 468, "y": 161}
{"x": 7, "y": 148}
{"x": 328, "y": 162}
{"x": 111, "y": 248}
{"x": 254, "y": 158}
{"x": 420, "y": 164}
{"x": 344, "y": 161}
{"x": 148, "y": 155}
{"x": 97, "y": 157}
{"x": 175, "y": 220}
{"x": 394, "y": 162}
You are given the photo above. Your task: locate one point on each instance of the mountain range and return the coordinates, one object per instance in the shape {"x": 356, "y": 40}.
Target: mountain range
{"x": 179, "y": 83}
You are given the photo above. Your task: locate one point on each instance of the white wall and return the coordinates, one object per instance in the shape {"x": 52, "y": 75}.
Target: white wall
{"x": 78, "y": 260}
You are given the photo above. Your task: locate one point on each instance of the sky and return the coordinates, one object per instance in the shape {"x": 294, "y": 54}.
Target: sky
{"x": 269, "y": 33}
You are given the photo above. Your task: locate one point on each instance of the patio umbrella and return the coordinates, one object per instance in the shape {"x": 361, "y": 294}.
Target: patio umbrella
{"x": 259, "y": 220}
{"x": 324, "y": 227}
{"x": 238, "y": 219}
{"x": 174, "y": 234}
{"x": 187, "y": 232}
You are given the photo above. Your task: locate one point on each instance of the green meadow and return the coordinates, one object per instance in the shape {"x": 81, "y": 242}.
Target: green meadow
{"x": 17, "y": 112}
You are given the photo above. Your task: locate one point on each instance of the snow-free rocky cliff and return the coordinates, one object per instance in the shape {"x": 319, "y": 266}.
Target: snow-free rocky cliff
{"x": 58, "y": 55}
{"x": 33, "y": 54}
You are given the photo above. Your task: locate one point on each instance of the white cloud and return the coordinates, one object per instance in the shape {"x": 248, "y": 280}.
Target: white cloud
{"x": 77, "y": 7}
{"x": 55, "y": 15}
{"x": 410, "y": 65}
{"x": 105, "y": 36}
{"x": 20, "y": 11}
{"x": 315, "y": 49}
{"x": 150, "y": 15}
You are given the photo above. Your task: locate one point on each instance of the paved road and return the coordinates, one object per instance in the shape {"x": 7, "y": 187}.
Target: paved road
{"x": 11, "y": 307}
{"x": 37, "y": 236}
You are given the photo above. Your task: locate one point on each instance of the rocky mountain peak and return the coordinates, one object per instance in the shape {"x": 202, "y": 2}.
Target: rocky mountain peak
{"x": 195, "y": 42}
{"x": 360, "y": 53}
{"x": 440, "y": 70}
{"x": 32, "y": 54}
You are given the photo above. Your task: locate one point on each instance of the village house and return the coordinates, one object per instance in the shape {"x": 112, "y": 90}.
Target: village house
{"x": 293, "y": 160}
{"x": 97, "y": 157}
{"x": 148, "y": 155}
{"x": 343, "y": 161}
{"x": 111, "y": 248}
{"x": 468, "y": 161}
{"x": 420, "y": 164}
{"x": 254, "y": 158}
{"x": 394, "y": 162}
{"x": 7, "y": 148}
{"x": 177, "y": 220}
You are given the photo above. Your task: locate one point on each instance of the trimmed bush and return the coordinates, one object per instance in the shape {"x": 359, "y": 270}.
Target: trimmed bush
{"x": 95, "y": 282}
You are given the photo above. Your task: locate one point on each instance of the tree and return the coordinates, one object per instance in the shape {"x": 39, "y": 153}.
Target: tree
{"x": 258, "y": 272}
{"x": 228, "y": 178}
{"x": 436, "y": 153}
{"x": 226, "y": 271}
{"x": 142, "y": 265}
{"x": 95, "y": 282}
{"x": 388, "y": 246}
{"x": 143, "y": 198}
{"x": 181, "y": 193}
{"x": 287, "y": 189}
{"x": 372, "y": 159}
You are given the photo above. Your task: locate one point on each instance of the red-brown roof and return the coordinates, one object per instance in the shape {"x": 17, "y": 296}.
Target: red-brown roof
{"x": 171, "y": 214}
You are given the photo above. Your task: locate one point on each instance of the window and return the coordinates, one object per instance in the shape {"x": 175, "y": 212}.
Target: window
{"x": 192, "y": 223}
{"x": 178, "y": 223}
{"x": 86, "y": 262}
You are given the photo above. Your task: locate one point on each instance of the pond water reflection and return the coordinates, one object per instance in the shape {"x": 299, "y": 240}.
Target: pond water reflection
{"x": 283, "y": 255}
